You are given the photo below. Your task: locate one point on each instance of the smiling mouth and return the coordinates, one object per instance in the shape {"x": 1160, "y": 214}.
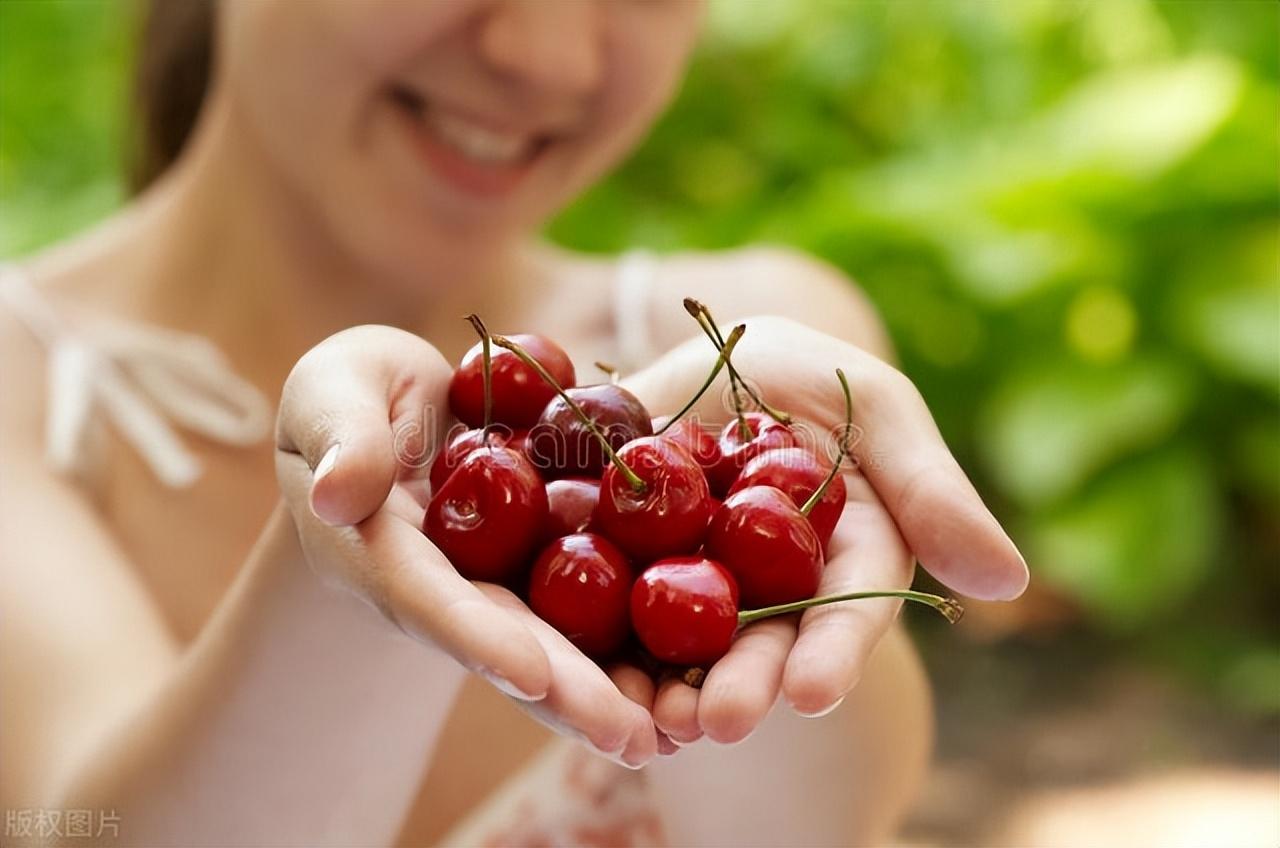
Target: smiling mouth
{"x": 477, "y": 144}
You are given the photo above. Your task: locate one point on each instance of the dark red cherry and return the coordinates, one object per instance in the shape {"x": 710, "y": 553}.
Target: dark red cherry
{"x": 562, "y": 446}
{"x": 799, "y": 474}
{"x": 519, "y": 394}
{"x": 696, "y": 439}
{"x": 737, "y": 450}
{"x": 685, "y": 610}
{"x": 669, "y": 515}
{"x": 572, "y": 502}
{"x": 519, "y": 441}
{"x": 761, "y": 536}
{"x": 458, "y": 447}
{"x": 581, "y": 586}
{"x": 490, "y": 515}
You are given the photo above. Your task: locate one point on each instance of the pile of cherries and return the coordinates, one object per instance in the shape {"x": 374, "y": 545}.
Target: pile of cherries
{"x": 610, "y": 523}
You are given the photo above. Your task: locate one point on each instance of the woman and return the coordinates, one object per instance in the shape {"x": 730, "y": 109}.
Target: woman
{"x": 270, "y": 652}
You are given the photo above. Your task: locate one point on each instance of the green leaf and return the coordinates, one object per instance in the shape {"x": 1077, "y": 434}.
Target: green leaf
{"x": 1050, "y": 428}
{"x": 1138, "y": 544}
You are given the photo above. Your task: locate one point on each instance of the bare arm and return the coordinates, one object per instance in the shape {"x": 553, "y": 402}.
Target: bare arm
{"x": 300, "y": 715}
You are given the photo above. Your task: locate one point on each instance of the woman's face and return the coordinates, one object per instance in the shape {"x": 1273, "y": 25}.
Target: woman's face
{"x": 416, "y": 128}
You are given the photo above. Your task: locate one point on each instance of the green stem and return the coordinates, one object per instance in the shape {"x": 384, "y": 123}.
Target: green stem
{"x": 705, "y": 314}
{"x": 949, "y": 607}
{"x": 841, "y": 453}
{"x": 487, "y": 365}
{"x": 721, "y": 361}
{"x": 609, "y": 371}
{"x": 698, "y": 311}
{"x": 636, "y": 483}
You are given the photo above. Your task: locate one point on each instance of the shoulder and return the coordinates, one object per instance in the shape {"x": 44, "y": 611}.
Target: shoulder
{"x": 764, "y": 280}
{"x": 22, "y": 369}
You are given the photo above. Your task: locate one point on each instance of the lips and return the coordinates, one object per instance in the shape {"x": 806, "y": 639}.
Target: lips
{"x": 468, "y": 154}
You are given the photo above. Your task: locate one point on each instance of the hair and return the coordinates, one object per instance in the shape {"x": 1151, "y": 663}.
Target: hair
{"x": 171, "y": 75}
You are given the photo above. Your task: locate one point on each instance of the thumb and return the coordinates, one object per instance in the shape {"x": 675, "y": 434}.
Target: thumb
{"x": 350, "y": 408}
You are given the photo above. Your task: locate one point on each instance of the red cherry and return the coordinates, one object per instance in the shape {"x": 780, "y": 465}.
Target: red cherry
{"x": 738, "y": 450}
{"x": 581, "y": 585}
{"x": 562, "y": 446}
{"x": 571, "y": 501}
{"x": 669, "y": 515}
{"x": 696, "y": 439}
{"x": 490, "y": 515}
{"x": 799, "y": 474}
{"x": 685, "y": 610}
{"x": 458, "y": 447}
{"x": 519, "y": 441}
{"x": 761, "y": 536}
{"x": 519, "y": 394}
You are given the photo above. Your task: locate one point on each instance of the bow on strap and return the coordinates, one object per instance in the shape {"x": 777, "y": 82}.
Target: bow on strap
{"x": 140, "y": 378}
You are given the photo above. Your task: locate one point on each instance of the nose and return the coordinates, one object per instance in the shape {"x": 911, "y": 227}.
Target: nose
{"x": 549, "y": 44}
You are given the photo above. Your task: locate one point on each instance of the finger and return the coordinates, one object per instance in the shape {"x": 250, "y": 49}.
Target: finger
{"x": 398, "y": 569}
{"x": 900, "y": 450}
{"x": 582, "y": 701}
{"x": 353, "y": 407}
{"x": 902, "y": 455}
{"x": 675, "y": 711}
{"x": 743, "y": 685}
{"x": 639, "y": 687}
{"x": 634, "y": 683}
{"x": 834, "y": 641}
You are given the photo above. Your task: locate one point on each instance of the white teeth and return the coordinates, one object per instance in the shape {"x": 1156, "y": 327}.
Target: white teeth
{"x": 477, "y": 142}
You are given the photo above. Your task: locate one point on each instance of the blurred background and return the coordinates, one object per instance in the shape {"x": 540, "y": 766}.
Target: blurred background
{"x": 1068, "y": 214}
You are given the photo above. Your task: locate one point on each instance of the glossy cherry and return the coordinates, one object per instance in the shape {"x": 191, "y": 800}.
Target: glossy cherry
{"x": 490, "y": 515}
{"x": 737, "y": 448}
{"x": 685, "y": 610}
{"x": 664, "y": 516}
{"x": 799, "y": 474}
{"x": 761, "y": 536}
{"x": 581, "y": 586}
{"x": 616, "y": 412}
{"x": 572, "y": 503}
{"x": 461, "y": 444}
{"x": 695, "y": 438}
{"x": 519, "y": 394}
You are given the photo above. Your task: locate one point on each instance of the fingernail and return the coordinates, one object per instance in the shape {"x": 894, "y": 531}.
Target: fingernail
{"x": 666, "y": 745}
{"x": 322, "y": 469}
{"x": 634, "y": 763}
{"x": 326, "y": 463}
{"x": 506, "y": 687}
{"x": 821, "y": 713}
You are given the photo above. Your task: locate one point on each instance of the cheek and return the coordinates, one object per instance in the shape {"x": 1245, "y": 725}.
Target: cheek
{"x": 646, "y": 62}
{"x": 309, "y": 74}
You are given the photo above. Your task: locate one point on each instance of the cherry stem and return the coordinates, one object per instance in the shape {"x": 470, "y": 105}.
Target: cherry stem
{"x": 721, "y": 361}
{"x": 609, "y": 371}
{"x": 841, "y": 453}
{"x": 487, "y": 360}
{"x": 949, "y": 607}
{"x": 636, "y": 483}
{"x": 699, "y": 313}
{"x": 705, "y": 315}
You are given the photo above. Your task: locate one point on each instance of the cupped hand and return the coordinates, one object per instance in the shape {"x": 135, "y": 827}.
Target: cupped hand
{"x": 908, "y": 500}
{"x": 359, "y": 416}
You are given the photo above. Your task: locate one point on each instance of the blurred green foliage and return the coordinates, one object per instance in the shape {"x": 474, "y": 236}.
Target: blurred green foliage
{"x": 1068, "y": 213}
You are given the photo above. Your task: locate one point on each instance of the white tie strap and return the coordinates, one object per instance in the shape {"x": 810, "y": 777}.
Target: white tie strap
{"x": 140, "y": 378}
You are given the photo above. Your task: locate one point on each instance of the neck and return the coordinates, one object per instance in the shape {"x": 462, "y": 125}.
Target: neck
{"x": 223, "y": 247}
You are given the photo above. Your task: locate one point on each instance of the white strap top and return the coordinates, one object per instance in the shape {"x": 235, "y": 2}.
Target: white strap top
{"x": 140, "y": 378}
